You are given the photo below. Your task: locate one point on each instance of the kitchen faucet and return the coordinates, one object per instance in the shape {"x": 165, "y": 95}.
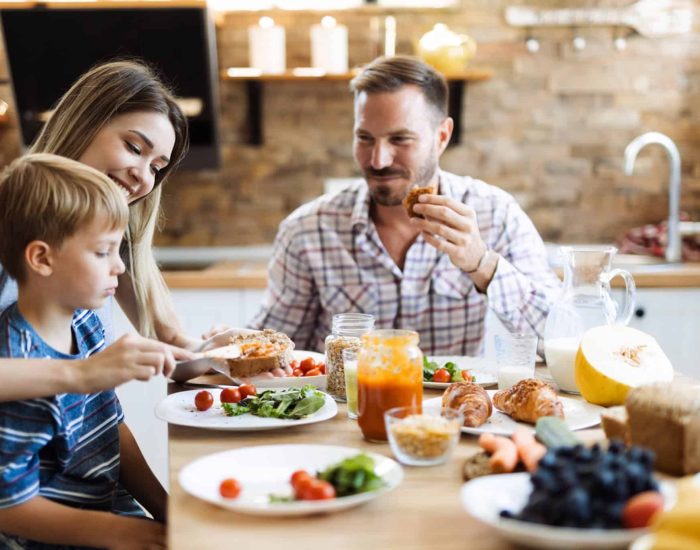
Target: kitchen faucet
{"x": 673, "y": 244}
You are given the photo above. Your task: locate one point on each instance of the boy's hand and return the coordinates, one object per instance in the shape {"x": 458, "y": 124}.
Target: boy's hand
{"x": 132, "y": 357}
{"x": 138, "y": 534}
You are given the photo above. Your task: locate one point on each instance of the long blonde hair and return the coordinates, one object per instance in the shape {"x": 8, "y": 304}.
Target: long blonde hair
{"x": 104, "y": 92}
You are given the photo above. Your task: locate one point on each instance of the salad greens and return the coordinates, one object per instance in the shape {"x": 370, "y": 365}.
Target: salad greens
{"x": 352, "y": 476}
{"x": 456, "y": 374}
{"x": 288, "y": 403}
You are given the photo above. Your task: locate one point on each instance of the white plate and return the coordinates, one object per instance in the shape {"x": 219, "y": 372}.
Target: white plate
{"x": 477, "y": 365}
{"x": 266, "y": 470}
{"x": 299, "y": 355}
{"x": 484, "y": 497}
{"x": 178, "y": 408}
{"x": 578, "y": 414}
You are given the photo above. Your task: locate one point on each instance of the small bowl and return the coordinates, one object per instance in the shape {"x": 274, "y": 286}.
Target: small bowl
{"x": 422, "y": 436}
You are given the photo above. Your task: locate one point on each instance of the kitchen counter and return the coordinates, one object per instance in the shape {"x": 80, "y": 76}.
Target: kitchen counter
{"x": 252, "y": 274}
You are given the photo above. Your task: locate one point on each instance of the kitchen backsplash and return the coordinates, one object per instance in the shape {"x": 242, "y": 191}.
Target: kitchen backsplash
{"x": 549, "y": 127}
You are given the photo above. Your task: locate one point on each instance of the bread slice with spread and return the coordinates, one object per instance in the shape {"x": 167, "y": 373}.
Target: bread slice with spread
{"x": 251, "y": 354}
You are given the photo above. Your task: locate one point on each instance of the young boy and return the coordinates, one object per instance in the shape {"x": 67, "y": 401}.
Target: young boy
{"x": 68, "y": 464}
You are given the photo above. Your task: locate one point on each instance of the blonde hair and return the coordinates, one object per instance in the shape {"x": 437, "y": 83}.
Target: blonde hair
{"x": 104, "y": 92}
{"x": 49, "y": 198}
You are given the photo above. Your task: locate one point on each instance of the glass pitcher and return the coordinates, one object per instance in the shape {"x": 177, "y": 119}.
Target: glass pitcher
{"x": 585, "y": 302}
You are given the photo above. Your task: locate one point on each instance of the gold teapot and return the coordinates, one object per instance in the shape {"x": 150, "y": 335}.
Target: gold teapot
{"x": 446, "y": 50}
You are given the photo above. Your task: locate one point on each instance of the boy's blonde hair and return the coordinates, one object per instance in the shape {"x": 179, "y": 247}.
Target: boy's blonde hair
{"x": 48, "y": 198}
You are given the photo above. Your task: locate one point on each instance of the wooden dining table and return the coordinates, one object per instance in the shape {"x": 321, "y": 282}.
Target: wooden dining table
{"x": 423, "y": 512}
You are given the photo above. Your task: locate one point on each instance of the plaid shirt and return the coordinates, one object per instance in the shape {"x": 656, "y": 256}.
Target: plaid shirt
{"x": 328, "y": 258}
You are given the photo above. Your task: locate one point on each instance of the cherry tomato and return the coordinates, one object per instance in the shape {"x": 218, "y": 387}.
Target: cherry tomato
{"x": 307, "y": 364}
{"x": 319, "y": 490}
{"x": 467, "y": 375}
{"x": 203, "y": 400}
{"x": 246, "y": 390}
{"x": 229, "y": 488}
{"x": 299, "y": 476}
{"x": 298, "y": 372}
{"x": 313, "y": 372}
{"x": 321, "y": 367}
{"x": 294, "y": 364}
{"x": 441, "y": 375}
{"x": 230, "y": 395}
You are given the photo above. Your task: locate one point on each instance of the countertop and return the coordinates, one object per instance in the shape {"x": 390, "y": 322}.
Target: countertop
{"x": 252, "y": 274}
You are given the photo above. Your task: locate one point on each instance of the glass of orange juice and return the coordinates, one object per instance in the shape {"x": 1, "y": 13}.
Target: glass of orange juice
{"x": 389, "y": 374}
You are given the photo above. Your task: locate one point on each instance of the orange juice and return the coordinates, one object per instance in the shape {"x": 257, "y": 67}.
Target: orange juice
{"x": 389, "y": 374}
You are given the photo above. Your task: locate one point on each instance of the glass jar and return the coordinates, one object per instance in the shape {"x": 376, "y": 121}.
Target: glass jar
{"x": 389, "y": 374}
{"x": 346, "y": 330}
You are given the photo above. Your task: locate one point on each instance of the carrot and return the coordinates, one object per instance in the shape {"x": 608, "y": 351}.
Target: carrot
{"x": 529, "y": 450}
{"x": 504, "y": 454}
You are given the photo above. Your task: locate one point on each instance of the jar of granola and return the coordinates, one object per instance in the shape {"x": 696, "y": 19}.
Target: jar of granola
{"x": 347, "y": 328}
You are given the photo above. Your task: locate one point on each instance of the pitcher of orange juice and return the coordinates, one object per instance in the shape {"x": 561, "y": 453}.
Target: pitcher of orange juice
{"x": 389, "y": 374}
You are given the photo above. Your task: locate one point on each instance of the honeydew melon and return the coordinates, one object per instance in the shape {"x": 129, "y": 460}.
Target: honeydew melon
{"x": 611, "y": 360}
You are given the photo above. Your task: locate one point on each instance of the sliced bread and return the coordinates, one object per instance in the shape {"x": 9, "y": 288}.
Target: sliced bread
{"x": 252, "y": 354}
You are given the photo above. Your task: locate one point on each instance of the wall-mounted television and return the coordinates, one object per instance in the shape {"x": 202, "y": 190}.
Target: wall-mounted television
{"x": 48, "y": 48}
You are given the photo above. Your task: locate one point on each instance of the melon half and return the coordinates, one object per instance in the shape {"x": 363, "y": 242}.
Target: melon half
{"x": 611, "y": 360}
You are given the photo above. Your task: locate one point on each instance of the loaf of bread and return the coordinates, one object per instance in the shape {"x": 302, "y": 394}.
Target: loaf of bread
{"x": 412, "y": 198}
{"x": 616, "y": 423}
{"x": 666, "y": 418}
{"x": 252, "y": 354}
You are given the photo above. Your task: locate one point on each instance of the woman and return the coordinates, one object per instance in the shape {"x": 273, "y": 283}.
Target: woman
{"x": 119, "y": 118}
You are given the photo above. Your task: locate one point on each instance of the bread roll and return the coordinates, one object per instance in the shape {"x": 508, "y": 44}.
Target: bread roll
{"x": 412, "y": 198}
{"x": 529, "y": 400}
{"x": 471, "y": 400}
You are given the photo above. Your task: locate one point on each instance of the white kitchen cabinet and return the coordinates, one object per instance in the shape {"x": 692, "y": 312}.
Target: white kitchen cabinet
{"x": 672, "y": 316}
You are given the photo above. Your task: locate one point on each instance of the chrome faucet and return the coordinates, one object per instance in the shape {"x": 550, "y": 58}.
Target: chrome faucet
{"x": 673, "y": 246}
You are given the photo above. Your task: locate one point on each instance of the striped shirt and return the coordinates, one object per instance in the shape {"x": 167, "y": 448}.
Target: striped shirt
{"x": 328, "y": 258}
{"x": 63, "y": 447}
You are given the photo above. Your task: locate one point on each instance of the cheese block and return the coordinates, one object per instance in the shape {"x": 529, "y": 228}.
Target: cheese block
{"x": 251, "y": 354}
{"x": 666, "y": 418}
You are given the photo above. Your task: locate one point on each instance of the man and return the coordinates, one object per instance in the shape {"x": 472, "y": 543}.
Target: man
{"x": 472, "y": 247}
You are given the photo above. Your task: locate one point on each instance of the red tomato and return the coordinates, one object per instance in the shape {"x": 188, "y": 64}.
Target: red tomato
{"x": 319, "y": 490}
{"x": 441, "y": 375}
{"x": 229, "y": 488}
{"x": 299, "y": 476}
{"x": 246, "y": 390}
{"x": 294, "y": 364}
{"x": 467, "y": 375}
{"x": 203, "y": 400}
{"x": 298, "y": 372}
{"x": 322, "y": 367}
{"x": 307, "y": 364}
{"x": 230, "y": 395}
{"x": 313, "y": 372}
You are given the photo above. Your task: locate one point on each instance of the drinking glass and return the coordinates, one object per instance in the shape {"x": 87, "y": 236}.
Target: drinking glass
{"x": 350, "y": 367}
{"x": 515, "y": 357}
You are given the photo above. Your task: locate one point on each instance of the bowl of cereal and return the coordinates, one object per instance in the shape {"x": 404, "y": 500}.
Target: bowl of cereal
{"x": 422, "y": 436}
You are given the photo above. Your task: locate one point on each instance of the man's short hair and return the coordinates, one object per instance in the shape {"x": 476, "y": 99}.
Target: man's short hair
{"x": 49, "y": 198}
{"x": 389, "y": 74}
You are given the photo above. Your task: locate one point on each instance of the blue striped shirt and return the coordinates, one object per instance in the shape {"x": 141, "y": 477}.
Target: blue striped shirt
{"x": 63, "y": 447}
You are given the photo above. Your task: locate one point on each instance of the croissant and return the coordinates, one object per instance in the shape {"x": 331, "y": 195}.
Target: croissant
{"x": 529, "y": 400}
{"x": 471, "y": 400}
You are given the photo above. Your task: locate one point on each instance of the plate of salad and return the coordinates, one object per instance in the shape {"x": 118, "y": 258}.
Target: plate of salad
{"x": 439, "y": 371}
{"x": 259, "y": 409}
{"x": 290, "y": 480}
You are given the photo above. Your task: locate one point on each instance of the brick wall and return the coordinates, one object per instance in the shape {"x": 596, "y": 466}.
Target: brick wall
{"x": 550, "y": 128}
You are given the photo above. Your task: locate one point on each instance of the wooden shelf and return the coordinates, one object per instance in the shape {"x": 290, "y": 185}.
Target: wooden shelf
{"x": 255, "y": 88}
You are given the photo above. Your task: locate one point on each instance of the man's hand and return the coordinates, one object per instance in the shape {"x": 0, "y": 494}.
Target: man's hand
{"x": 451, "y": 227}
{"x": 132, "y": 357}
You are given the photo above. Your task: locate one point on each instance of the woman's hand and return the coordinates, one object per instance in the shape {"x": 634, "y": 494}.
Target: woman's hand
{"x": 216, "y": 329}
{"x": 132, "y": 357}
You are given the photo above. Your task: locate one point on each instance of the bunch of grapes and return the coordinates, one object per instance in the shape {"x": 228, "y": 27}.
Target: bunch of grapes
{"x": 587, "y": 486}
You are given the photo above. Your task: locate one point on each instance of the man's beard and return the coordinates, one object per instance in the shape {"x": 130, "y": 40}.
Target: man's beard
{"x": 385, "y": 195}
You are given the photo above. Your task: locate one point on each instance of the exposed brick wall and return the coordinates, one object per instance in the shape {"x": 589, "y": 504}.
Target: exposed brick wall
{"x": 550, "y": 128}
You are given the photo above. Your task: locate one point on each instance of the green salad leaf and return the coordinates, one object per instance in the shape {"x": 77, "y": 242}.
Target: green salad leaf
{"x": 287, "y": 403}
{"x": 352, "y": 476}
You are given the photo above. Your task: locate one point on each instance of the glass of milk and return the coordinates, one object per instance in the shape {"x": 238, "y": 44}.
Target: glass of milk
{"x": 515, "y": 356}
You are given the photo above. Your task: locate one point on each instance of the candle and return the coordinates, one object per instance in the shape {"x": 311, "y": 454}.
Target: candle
{"x": 390, "y": 36}
{"x": 329, "y": 46}
{"x": 266, "y": 46}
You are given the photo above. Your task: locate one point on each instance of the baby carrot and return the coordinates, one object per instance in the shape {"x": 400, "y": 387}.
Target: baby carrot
{"x": 504, "y": 454}
{"x": 529, "y": 449}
